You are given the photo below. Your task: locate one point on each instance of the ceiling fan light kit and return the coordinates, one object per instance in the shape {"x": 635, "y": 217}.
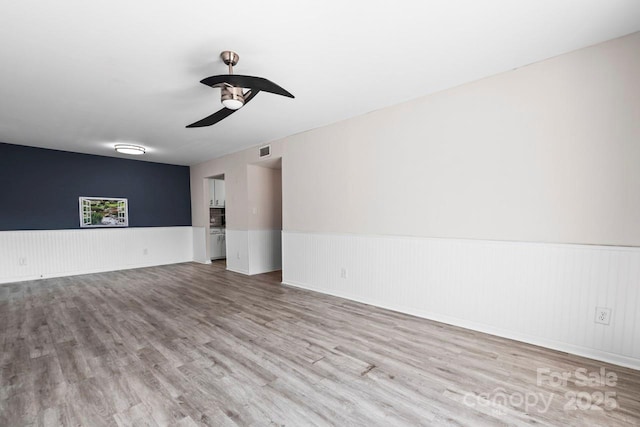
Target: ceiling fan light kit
{"x": 236, "y": 90}
{"x": 232, "y": 97}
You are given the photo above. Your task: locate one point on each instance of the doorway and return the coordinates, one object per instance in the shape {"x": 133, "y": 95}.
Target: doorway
{"x": 216, "y": 210}
{"x": 265, "y": 216}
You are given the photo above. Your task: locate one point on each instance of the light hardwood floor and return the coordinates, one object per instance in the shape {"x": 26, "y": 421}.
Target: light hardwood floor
{"x": 192, "y": 344}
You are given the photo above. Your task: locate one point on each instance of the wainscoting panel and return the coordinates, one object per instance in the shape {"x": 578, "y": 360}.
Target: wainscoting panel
{"x": 237, "y": 250}
{"x": 254, "y": 251}
{"x": 544, "y": 294}
{"x": 35, "y": 254}
{"x": 200, "y": 245}
{"x": 265, "y": 251}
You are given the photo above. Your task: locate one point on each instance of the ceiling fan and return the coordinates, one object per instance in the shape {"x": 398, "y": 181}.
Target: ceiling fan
{"x": 236, "y": 90}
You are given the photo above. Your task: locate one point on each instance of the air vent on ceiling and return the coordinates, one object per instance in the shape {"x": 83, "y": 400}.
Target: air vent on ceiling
{"x": 265, "y": 151}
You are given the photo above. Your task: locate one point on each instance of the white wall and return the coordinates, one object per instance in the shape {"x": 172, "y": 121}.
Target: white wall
{"x": 264, "y": 198}
{"x": 54, "y": 253}
{"x": 257, "y": 248}
{"x": 546, "y": 153}
{"x": 514, "y": 167}
{"x": 234, "y": 167}
{"x": 265, "y": 219}
{"x": 253, "y": 207}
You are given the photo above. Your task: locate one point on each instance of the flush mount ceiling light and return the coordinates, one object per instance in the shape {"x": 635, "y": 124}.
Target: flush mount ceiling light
{"x": 135, "y": 150}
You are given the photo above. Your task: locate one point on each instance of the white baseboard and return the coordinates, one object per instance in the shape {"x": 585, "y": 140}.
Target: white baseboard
{"x": 245, "y": 272}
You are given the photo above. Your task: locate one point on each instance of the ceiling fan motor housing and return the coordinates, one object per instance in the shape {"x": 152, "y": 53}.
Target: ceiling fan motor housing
{"x": 230, "y": 93}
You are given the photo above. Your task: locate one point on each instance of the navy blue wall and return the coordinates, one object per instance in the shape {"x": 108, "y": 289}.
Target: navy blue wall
{"x": 39, "y": 188}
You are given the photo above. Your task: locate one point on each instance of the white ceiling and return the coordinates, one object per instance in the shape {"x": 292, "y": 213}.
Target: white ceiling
{"x": 81, "y": 75}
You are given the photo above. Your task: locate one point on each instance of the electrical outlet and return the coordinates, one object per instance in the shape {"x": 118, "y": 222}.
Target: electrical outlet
{"x": 22, "y": 261}
{"x": 145, "y": 251}
{"x": 343, "y": 273}
{"x": 238, "y": 255}
{"x": 603, "y": 315}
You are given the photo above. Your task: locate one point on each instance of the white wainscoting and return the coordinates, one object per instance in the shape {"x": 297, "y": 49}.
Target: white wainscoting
{"x": 254, "y": 251}
{"x": 265, "y": 251}
{"x": 544, "y": 294}
{"x": 237, "y": 251}
{"x": 35, "y": 254}
{"x": 200, "y": 245}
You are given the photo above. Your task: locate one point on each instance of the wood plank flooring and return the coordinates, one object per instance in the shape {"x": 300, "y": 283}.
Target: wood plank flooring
{"x": 192, "y": 344}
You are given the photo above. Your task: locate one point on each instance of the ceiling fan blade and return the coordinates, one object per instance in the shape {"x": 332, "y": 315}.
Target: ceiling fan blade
{"x": 252, "y": 82}
{"x": 212, "y": 119}
{"x": 223, "y": 113}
